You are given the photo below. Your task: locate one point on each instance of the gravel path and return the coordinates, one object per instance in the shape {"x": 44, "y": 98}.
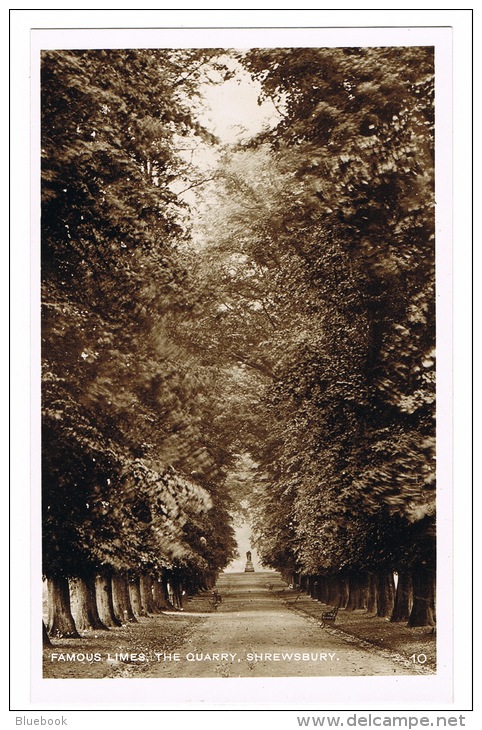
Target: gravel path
{"x": 253, "y": 633}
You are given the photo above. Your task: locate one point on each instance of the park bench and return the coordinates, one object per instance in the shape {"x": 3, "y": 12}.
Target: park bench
{"x": 216, "y": 599}
{"x": 328, "y": 616}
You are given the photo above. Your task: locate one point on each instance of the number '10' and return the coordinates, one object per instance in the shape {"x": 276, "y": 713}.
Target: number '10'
{"x": 418, "y": 658}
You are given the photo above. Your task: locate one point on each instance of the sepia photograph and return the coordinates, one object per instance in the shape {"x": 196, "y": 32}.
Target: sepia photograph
{"x": 243, "y": 428}
{"x": 238, "y": 344}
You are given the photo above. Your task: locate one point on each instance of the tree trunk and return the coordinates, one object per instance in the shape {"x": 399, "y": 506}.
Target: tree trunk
{"x": 423, "y": 609}
{"x": 191, "y": 586}
{"x": 385, "y": 593}
{"x": 176, "y": 591}
{"x": 322, "y": 589}
{"x": 45, "y": 636}
{"x": 120, "y": 599}
{"x": 61, "y": 623}
{"x": 344, "y": 591}
{"x": 319, "y": 587}
{"x": 211, "y": 581}
{"x": 334, "y": 590}
{"x": 160, "y": 594}
{"x": 357, "y": 592}
{"x": 83, "y": 604}
{"x": 145, "y": 587}
{"x": 103, "y": 592}
{"x": 372, "y": 593}
{"x": 403, "y": 598}
{"x": 135, "y": 597}
{"x": 288, "y": 577}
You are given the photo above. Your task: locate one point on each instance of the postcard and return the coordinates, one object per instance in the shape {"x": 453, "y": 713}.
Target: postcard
{"x": 242, "y": 487}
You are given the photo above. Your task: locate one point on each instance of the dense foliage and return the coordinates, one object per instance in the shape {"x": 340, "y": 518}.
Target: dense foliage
{"x": 281, "y": 362}
{"x": 358, "y": 377}
{"x": 318, "y": 272}
{"x": 122, "y": 410}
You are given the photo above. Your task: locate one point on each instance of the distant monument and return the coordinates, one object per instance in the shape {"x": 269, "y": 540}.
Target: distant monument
{"x": 249, "y": 563}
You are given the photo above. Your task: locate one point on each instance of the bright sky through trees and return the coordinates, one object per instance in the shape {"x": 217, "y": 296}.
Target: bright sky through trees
{"x": 233, "y": 112}
{"x": 231, "y": 316}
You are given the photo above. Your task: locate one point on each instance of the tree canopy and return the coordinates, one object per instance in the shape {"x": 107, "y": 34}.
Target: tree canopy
{"x": 276, "y": 360}
{"x": 318, "y": 280}
{"x": 122, "y": 409}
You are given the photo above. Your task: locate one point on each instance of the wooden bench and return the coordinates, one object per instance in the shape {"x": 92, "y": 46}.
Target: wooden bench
{"x": 328, "y": 616}
{"x": 216, "y": 599}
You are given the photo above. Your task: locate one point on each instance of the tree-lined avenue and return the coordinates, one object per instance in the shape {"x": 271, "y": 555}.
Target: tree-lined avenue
{"x": 237, "y": 331}
{"x": 254, "y": 633}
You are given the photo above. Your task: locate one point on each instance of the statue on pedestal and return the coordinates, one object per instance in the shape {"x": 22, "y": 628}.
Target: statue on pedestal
{"x": 249, "y": 564}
